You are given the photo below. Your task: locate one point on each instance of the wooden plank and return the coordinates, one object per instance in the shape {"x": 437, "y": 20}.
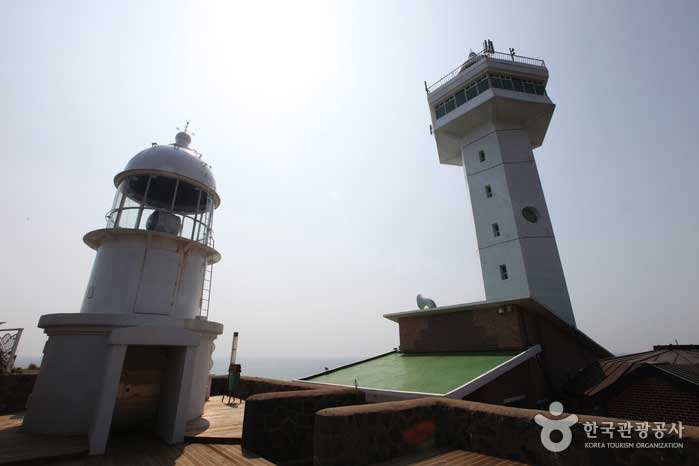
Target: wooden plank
{"x": 137, "y": 449}
{"x": 150, "y": 452}
{"x": 446, "y": 457}
{"x": 220, "y": 423}
{"x": 16, "y": 445}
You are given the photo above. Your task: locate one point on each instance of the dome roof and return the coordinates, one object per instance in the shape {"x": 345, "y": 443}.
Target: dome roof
{"x": 173, "y": 159}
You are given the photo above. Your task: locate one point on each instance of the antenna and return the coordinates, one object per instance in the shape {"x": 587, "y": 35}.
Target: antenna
{"x": 186, "y": 128}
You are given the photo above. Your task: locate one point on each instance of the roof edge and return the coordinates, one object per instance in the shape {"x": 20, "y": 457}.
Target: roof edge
{"x": 527, "y": 303}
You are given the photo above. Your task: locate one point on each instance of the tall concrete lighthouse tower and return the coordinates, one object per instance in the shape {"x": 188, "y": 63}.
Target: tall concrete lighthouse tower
{"x": 138, "y": 354}
{"x": 487, "y": 116}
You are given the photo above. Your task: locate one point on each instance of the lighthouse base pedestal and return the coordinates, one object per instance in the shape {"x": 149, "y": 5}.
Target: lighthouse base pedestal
{"x": 104, "y": 372}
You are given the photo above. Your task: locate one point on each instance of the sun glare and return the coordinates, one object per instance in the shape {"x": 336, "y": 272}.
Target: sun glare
{"x": 280, "y": 52}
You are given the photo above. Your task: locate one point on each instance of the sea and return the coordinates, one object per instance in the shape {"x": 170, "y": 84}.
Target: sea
{"x": 283, "y": 368}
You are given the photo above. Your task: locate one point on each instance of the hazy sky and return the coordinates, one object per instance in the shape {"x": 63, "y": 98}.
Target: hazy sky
{"x": 335, "y": 209}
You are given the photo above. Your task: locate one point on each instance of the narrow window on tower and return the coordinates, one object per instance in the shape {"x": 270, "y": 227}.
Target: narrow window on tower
{"x": 488, "y": 191}
{"x": 503, "y": 272}
{"x": 481, "y": 156}
{"x": 496, "y": 229}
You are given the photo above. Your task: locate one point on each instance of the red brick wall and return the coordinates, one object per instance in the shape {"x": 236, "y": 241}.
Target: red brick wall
{"x": 476, "y": 330}
{"x": 653, "y": 397}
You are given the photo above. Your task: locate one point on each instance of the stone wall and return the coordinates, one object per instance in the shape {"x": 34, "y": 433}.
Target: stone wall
{"x": 363, "y": 435}
{"x": 280, "y": 426}
{"x": 15, "y": 390}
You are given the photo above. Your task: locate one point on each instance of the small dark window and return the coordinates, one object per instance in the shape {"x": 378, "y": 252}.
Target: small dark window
{"x": 540, "y": 89}
{"x": 460, "y": 97}
{"x": 496, "y": 229}
{"x": 450, "y": 104}
{"x": 481, "y": 156}
{"x": 517, "y": 85}
{"x": 529, "y": 88}
{"x": 488, "y": 191}
{"x": 506, "y": 84}
{"x": 495, "y": 82}
{"x": 439, "y": 109}
{"x": 471, "y": 92}
{"x": 503, "y": 272}
{"x": 483, "y": 85}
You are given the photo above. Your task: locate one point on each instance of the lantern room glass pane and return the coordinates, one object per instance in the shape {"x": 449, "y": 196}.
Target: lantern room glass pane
{"x": 202, "y": 227}
{"x": 113, "y": 214}
{"x": 163, "y": 204}
{"x": 186, "y": 198}
{"x": 161, "y": 192}
{"x": 128, "y": 217}
{"x": 137, "y": 188}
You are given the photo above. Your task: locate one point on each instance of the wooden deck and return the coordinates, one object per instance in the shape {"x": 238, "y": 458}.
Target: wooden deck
{"x": 17, "y": 445}
{"x": 132, "y": 451}
{"x": 446, "y": 457}
{"x": 213, "y": 442}
{"x": 221, "y": 423}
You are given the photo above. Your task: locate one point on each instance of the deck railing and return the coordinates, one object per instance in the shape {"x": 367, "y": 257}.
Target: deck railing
{"x": 483, "y": 55}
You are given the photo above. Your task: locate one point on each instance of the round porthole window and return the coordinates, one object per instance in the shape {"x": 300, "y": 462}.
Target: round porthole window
{"x": 530, "y": 214}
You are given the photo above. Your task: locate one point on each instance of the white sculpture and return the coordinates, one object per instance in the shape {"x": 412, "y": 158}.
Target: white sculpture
{"x": 425, "y": 303}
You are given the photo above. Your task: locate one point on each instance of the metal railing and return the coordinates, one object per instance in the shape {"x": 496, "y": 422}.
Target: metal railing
{"x": 9, "y": 341}
{"x": 483, "y": 55}
{"x": 200, "y": 231}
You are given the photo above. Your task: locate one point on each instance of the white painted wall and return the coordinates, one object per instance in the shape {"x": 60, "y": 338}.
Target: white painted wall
{"x": 202, "y": 364}
{"x": 135, "y": 274}
{"x": 76, "y": 388}
{"x": 66, "y": 391}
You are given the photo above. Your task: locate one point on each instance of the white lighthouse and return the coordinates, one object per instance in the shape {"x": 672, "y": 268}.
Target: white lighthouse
{"x": 487, "y": 116}
{"x": 138, "y": 354}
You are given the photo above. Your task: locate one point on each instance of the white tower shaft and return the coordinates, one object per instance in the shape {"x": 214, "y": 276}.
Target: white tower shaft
{"x": 519, "y": 257}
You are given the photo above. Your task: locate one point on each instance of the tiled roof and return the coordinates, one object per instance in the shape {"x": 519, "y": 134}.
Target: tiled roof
{"x": 687, "y": 373}
{"x": 608, "y": 371}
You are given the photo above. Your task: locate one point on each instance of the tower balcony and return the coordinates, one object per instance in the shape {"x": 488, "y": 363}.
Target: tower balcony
{"x": 486, "y": 57}
{"x": 491, "y": 90}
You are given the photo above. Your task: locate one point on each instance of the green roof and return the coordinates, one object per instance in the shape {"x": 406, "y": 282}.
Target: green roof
{"x": 437, "y": 373}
